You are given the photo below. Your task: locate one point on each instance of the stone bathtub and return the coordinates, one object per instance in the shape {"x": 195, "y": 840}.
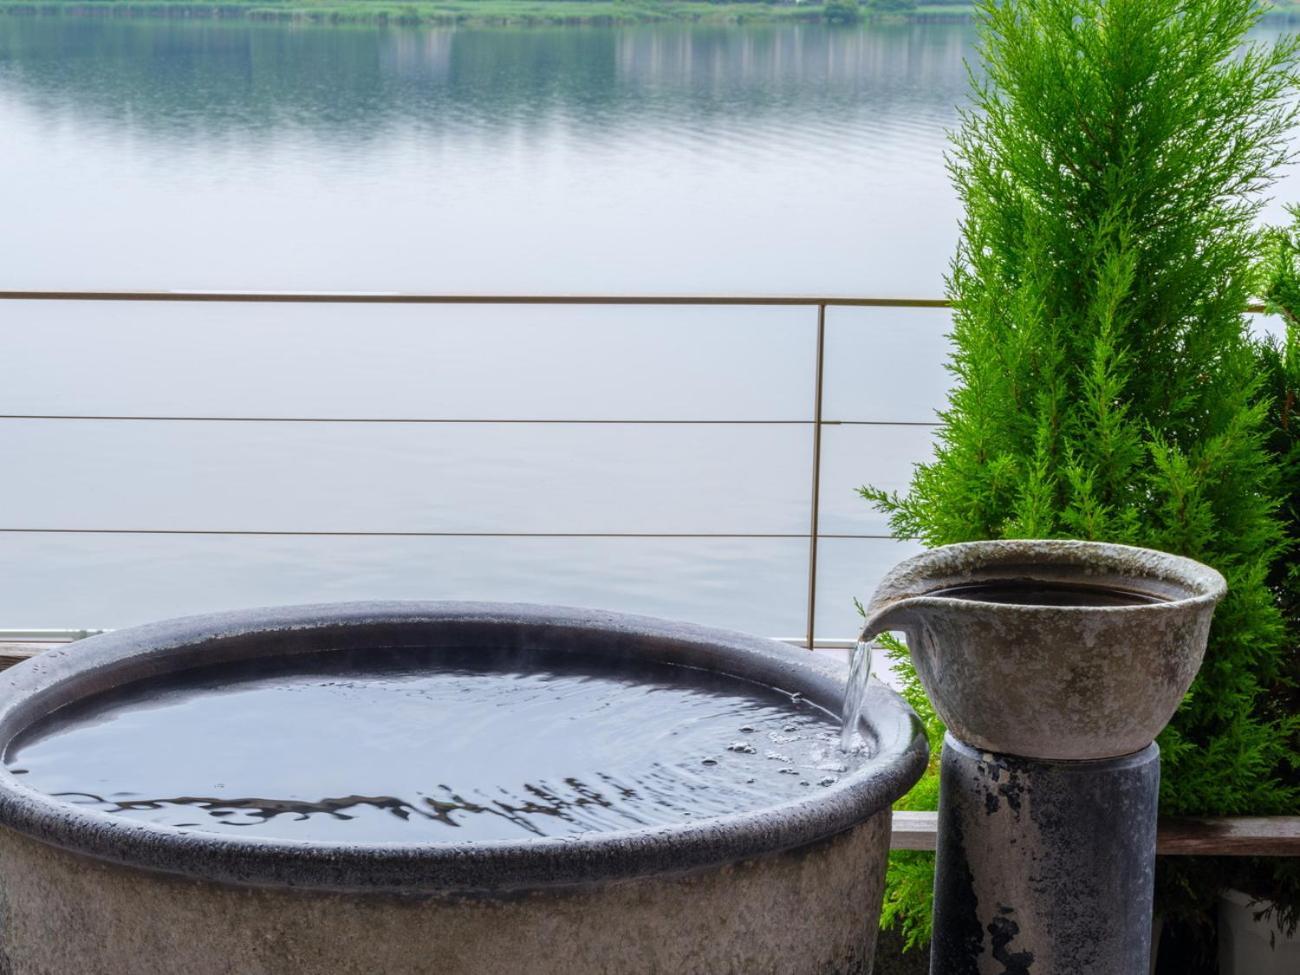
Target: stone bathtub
{"x": 793, "y": 886}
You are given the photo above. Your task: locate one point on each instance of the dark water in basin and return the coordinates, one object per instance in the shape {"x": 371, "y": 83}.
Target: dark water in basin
{"x": 420, "y": 751}
{"x": 1034, "y": 592}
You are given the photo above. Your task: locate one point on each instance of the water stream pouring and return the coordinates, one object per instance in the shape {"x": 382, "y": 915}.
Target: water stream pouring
{"x": 855, "y": 693}
{"x": 1054, "y": 665}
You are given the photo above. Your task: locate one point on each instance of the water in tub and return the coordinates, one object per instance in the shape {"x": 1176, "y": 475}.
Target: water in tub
{"x": 349, "y": 749}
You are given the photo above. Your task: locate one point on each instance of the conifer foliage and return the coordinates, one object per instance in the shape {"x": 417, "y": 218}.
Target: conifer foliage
{"x": 1105, "y": 383}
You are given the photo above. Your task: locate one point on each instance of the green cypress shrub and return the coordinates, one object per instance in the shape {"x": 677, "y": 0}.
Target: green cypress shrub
{"x": 1279, "y": 364}
{"x": 1105, "y": 383}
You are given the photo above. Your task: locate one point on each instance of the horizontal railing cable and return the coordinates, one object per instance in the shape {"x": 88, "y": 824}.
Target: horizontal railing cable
{"x": 367, "y": 533}
{"x": 450, "y": 421}
{"x": 411, "y": 298}
{"x": 405, "y": 298}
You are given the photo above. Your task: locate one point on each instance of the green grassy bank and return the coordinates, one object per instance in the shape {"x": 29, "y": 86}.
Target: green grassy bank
{"x": 473, "y": 12}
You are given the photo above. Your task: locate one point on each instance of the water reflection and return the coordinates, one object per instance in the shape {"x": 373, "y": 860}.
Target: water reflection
{"x": 186, "y": 78}
{"x": 675, "y": 158}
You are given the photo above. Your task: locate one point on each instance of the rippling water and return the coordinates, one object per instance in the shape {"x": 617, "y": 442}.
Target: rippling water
{"x": 426, "y": 751}
{"x": 646, "y": 159}
{"x": 776, "y": 159}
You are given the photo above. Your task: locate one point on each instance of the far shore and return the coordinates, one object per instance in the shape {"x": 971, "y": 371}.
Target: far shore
{"x": 517, "y": 13}
{"x": 484, "y": 13}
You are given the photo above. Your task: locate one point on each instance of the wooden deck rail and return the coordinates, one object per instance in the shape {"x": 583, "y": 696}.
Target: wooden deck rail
{"x": 1246, "y": 836}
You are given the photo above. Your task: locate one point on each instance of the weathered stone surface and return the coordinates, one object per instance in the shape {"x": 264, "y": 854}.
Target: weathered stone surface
{"x": 812, "y": 910}
{"x": 1068, "y": 683}
{"x": 1044, "y": 868}
{"x": 793, "y": 888}
{"x": 1054, "y": 664}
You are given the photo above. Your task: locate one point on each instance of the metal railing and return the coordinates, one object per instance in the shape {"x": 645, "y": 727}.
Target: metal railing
{"x": 817, "y": 422}
{"x": 912, "y": 831}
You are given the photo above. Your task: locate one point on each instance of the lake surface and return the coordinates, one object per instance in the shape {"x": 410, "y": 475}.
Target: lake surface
{"x": 660, "y": 160}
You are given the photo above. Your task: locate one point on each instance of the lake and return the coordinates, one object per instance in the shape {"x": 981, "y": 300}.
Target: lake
{"x": 781, "y": 159}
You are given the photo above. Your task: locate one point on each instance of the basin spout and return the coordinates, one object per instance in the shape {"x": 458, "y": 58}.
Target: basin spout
{"x": 1054, "y": 665}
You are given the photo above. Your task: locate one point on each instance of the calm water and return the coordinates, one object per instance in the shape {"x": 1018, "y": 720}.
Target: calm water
{"x": 422, "y": 750}
{"x": 798, "y": 159}
{"x": 1037, "y": 592}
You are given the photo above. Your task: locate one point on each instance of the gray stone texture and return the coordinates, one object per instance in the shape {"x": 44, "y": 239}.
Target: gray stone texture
{"x": 1052, "y": 682}
{"x": 811, "y": 910}
{"x": 1049, "y": 781}
{"x": 794, "y": 888}
{"x": 1044, "y": 868}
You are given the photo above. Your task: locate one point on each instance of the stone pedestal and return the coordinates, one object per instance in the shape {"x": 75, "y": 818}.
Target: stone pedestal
{"x": 1044, "y": 866}
{"x": 1054, "y": 664}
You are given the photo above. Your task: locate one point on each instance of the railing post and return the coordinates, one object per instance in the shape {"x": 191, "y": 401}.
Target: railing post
{"x": 815, "y": 505}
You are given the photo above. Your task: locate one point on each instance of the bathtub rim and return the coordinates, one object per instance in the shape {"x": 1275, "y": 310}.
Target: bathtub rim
{"x": 30, "y": 691}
